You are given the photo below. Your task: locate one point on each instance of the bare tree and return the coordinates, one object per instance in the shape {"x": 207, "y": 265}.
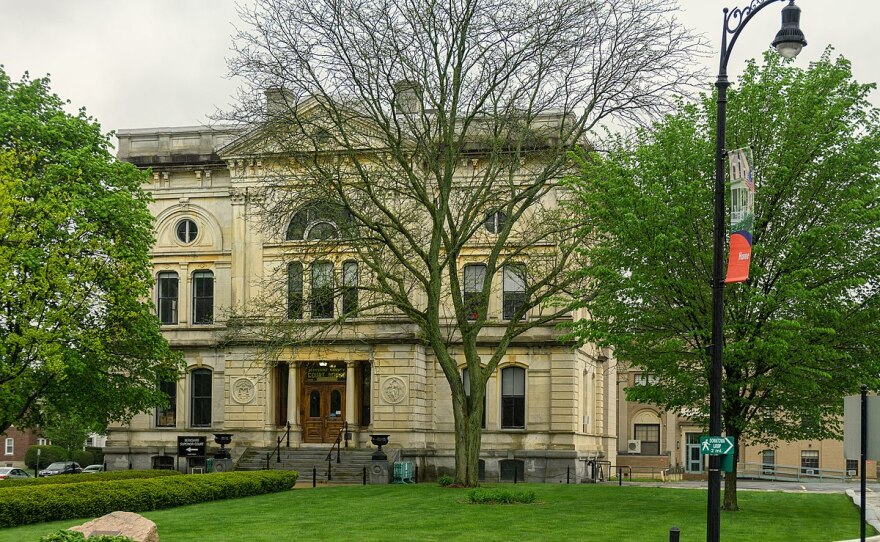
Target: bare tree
{"x": 436, "y": 134}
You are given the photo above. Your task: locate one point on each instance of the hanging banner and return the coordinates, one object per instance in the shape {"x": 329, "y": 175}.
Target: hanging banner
{"x": 742, "y": 214}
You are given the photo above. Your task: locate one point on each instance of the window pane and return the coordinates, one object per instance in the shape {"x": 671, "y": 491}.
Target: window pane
{"x": 513, "y": 401}
{"x": 315, "y": 404}
{"x": 201, "y": 397}
{"x": 322, "y": 290}
{"x": 167, "y": 417}
{"x": 335, "y": 404}
{"x": 295, "y": 290}
{"x": 514, "y": 290}
{"x": 187, "y": 231}
{"x": 474, "y": 276}
{"x": 350, "y": 288}
{"x": 167, "y": 297}
{"x": 203, "y": 297}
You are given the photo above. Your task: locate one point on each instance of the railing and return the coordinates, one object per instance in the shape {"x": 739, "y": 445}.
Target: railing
{"x": 337, "y": 444}
{"x": 277, "y": 450}
{"x": 790, "y": 473}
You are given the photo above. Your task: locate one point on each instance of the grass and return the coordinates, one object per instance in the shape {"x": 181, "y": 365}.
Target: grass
{"x": 426, "y": 512}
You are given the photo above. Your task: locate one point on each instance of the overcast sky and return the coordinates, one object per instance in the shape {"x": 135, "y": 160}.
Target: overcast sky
{"x": 152, "y": 63}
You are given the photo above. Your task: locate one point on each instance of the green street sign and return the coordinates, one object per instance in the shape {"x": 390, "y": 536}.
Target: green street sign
{"x": 716, "y": 445}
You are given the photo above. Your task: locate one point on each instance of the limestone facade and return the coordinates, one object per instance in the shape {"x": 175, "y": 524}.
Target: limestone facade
{"x": 376, "y": 375}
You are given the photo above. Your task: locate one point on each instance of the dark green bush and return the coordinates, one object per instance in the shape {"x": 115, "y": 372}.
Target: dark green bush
{"x": 30, "y": 504}
{"x": 75, "y": 536}
{"x": 500, "y": 496}
{"x": 83, "y": 457}
{"x": 49, "y": 454}
{"x": 80, "y": 478}
{"x": 445, "y": 481}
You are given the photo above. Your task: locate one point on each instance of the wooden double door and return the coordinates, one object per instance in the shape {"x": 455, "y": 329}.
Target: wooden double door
{"x": 322, "y": 411}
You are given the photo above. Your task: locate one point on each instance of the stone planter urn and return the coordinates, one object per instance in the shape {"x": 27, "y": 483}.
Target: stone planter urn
{"x": 222, "y": 439}
{"x": 379, "y": 440}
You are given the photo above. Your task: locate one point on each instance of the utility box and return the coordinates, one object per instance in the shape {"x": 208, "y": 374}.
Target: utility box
{"x": 403, "y": 472}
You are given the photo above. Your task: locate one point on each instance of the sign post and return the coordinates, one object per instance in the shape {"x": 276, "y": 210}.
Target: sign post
{"x": 190, "y": 446}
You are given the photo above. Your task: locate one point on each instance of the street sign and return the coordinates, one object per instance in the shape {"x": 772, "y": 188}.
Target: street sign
{"x": 191, "y": 446}
{"x": 716, "y": 445}
{"x": 852, "y": 422}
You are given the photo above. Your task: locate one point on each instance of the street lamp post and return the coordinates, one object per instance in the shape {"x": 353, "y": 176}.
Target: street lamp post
{"x": 788, "y": 42}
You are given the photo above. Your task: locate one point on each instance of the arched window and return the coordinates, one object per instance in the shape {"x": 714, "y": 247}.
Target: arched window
{"x": 318, "y": 221}
{"x": 200, "y": 397}
{"x": 295, "y": 290}
{"x": 203, "y": 297}
{"x": 513, "y": 398}
{"x": 166, "y": 302}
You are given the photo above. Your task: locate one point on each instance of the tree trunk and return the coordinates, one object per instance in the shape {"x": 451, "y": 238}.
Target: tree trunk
{"x": 468, "y": 434}
{"x": 730, "y": 503}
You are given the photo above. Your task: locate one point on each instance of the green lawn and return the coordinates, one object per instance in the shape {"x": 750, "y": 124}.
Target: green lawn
{"x": 429, "y": 512}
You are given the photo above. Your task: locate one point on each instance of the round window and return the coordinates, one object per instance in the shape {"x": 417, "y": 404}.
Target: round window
{"x": 187, "y": 231}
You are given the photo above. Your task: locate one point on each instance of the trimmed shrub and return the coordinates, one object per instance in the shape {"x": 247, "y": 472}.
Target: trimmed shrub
{"x": 500, "y": 496}
{"x": 25, "y": 504}
{"x": 49, "y": 454}
{"x": 75, "y": 536}
{"x": 83, "y": 457}
{"x": 445, "y": 481}
{"x": 80, "y": 478}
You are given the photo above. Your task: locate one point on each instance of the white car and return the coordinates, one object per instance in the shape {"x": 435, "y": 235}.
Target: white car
{"x": 12, "y": 472}
{"x": 92, "y": 469}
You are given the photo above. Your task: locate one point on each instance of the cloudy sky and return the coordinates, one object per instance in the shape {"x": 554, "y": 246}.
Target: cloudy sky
{"x": 151, "y": 63}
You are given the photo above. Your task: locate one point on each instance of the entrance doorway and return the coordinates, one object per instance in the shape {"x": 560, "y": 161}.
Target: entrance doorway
{"x": 693, "y": 459}
{"x": 323, "y": 402}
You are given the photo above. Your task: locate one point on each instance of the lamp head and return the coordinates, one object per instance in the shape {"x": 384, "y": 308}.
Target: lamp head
{"x": 790, "y": 40}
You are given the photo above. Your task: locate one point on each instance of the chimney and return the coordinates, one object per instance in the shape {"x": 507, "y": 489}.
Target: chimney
{"x": 279, "y": 101}
{"x": 407, "y": 97}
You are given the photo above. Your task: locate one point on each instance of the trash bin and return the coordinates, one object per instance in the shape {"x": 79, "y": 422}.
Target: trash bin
{"x": 209, "y": 464}
{"x": 403, "y": 473}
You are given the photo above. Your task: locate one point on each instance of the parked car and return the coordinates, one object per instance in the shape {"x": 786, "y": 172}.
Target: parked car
{"x": 61, "y": 467}
{"x": 12, "y": 472}
{"x": 92, "y": 469}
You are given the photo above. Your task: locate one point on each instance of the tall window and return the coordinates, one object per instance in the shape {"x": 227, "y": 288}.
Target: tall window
{"x": 167, "y": 417}
{"x": 350, "y": 288}
{"x": 322, "y": 290}
{"x": 466, "y": 379}
{"x": 514, "y": 286}
{"x": 200, "y": 398}
{"x": 282, "y": 372}
{"x": 295, "y": 291}
{"x": 203, "y": 297}
{"x": 649, "y": 434}
{"x": 474, "y": 276}
{"x": 809, "y": 461}
{"x": 513, "y": 397}
{"x": 167, "y": 297}
{"x": 10, "y": 446}
{"x": 852, "y": 467}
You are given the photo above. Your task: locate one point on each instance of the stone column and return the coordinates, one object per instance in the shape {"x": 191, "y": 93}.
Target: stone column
{"x": 293, "y": 394}
{"x": 350, "y": 410}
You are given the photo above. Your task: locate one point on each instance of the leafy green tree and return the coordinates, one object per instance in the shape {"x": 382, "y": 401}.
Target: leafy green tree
{"x": 803, "y": 331}
{"x": 69, "y": 432}
{"x": 76, "y": 330}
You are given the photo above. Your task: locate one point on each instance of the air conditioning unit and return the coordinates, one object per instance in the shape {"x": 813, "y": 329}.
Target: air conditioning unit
{"x": 811, "y": 472}
{"x": 851, "y": 472}
{"x": 633, "y": 446}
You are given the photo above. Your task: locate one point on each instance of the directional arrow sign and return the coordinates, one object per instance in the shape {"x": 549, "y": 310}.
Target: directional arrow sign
{"x": 191, "y": 446}
{"x": 716, "y": 445}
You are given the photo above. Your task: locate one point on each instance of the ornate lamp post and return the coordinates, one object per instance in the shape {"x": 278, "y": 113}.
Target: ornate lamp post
{"x": 788, "y": 42}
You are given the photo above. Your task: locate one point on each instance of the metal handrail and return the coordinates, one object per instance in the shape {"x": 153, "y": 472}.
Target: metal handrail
{"x": 336, "y": 444}
{"x": 277, "y": 450}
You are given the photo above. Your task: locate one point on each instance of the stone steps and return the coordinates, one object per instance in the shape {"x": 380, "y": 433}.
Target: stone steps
{"x": 350, "y": 468}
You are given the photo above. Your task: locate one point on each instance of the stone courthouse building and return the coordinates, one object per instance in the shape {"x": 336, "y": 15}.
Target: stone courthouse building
{"x": 550, "y": 406}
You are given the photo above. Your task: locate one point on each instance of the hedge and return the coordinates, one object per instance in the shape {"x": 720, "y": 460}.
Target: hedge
{"x": 23, "y": 505}
{"x": 80, "y": 478}
{"x": 48, "y": 454}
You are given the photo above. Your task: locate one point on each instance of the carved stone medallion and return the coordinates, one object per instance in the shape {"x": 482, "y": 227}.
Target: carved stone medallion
{"x": 243, "y": 391}
{"x": 394, "y": 390}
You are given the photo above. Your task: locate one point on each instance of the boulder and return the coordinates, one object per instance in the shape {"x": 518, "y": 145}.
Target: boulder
{"x": 128, "y": 524}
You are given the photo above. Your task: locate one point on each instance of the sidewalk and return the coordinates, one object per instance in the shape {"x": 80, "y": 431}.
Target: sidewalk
{"x": 872, "y": 510}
